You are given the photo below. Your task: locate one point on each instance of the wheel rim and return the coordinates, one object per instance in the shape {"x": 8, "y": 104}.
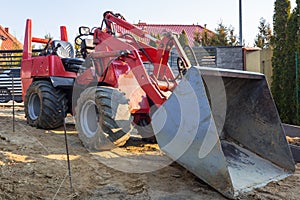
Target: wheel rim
{"x": 34, "y": 106}
{"x": 89, "y": 118}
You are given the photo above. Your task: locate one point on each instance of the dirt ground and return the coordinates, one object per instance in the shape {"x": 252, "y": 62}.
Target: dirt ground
{"x": 33, "y": 166}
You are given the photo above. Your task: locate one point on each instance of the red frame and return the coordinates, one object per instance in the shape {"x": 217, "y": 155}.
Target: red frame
{"x": 108, "y": 70}
{"x": 41, "y": 66}
{"x": 154, "y": 86}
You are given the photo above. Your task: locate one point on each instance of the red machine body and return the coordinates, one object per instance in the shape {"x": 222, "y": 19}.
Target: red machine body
{"x": 206, "y": 125}
{"x": 116, "y": 57}
{"x": 131, "y": 56}
{"x": 41, "y": 67}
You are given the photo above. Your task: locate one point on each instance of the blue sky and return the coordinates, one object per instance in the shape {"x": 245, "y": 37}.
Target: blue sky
{"x": 48, "y": 16}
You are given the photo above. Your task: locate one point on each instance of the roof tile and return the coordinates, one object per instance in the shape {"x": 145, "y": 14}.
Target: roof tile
{"x": 10, "y": 42}
{"x": 177, "y": 28}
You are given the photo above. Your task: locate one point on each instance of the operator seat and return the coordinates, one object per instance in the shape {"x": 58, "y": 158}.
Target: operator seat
{"x": 87, "y": 47}
{"x": 66, "y": 52}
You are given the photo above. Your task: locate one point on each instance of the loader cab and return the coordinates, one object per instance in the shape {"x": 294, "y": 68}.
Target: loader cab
{"x": 66, "y": 52}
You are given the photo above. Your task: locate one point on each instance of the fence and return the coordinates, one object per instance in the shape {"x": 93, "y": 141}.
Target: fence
{"x": 12, "y": 58}
{"x": 10, "y": 80}
{"x": 221, "y": 57}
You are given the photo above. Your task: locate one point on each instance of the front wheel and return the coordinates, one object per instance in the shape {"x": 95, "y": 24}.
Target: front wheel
{"x": 144, "y": 128}
{"x": 103, "y": 119}
{"x": 43, "y": 105}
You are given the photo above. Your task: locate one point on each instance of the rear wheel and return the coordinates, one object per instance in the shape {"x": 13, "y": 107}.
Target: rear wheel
{"x": 103, "y": 120}
{"x": 43, "y": 105}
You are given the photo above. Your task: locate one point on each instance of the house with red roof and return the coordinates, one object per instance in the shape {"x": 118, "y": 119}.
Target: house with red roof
{"x": 190, "y": 30}
{"x": 158, "y": 29}
{"x": 8, "y": 41}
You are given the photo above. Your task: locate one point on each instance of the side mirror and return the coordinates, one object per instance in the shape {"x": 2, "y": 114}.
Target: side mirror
{"x": 84, "y": 30}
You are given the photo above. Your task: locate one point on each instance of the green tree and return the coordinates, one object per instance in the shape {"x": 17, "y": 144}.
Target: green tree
{"x": 48, "y": 37}
{"x": 298, "y": 11}
{"x": 206, "y": 37}
{"x": 280, "y": 22}
{"x": 151, "y": 42}
{"x": 288, "y": 111}
{"x": 232, "y": 37}
{"x": 197, "y": 38}
{"x": 183, "y": 39}
{"x": 297, "y": 47}
{"x": 222, "y": 37}
{"x": 263, "y": 38}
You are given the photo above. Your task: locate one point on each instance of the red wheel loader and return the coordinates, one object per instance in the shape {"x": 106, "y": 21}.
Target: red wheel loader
{"x": 222, "y": 125}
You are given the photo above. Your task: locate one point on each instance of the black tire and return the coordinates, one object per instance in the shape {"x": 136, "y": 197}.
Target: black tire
{"x": 144, "y": 129}
{"x": 43, "y": 105}
{"x": 103, "y": 119}
{"x": 5, "y": 95}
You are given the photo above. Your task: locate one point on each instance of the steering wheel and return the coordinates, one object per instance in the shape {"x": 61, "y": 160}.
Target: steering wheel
{"x": 45, "y": 50}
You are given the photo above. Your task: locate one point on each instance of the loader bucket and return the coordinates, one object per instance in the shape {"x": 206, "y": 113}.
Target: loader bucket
{"x": 223, "y": 126}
